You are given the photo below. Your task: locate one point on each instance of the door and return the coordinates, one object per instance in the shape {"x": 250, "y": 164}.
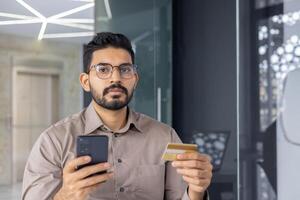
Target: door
{"x": 35, "y": 107}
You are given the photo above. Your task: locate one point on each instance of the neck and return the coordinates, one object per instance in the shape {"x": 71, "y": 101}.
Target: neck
{"x": 113, "y": 119}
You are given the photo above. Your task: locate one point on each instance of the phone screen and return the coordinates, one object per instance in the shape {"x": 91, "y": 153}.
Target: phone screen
{"x": 95, "y": 146}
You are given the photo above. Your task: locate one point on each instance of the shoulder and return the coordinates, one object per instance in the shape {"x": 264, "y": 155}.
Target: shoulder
{"x": 153, "y": 126}
{"x": 61, "y": 135}
{"x": 66, "y": 127}
{"x": 156, "y": 133}
{"x": 74, "y": 120}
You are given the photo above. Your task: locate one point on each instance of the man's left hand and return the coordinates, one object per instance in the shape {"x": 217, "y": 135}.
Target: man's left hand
{"x": 196, "y": 170}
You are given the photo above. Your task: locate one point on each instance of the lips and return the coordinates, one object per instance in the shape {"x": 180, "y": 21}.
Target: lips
{"x": 116, "y": 90}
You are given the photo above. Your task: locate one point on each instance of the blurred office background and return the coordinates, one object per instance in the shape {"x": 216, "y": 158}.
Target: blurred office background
{"x": 214, "y": 70}
{"x": 39, "y": 67}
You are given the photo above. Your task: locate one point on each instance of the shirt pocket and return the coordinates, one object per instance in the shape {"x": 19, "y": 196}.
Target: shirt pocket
{"x": 150, "y": 181}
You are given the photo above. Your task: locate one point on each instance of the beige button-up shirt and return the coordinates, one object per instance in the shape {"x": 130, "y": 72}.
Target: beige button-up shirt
{"x": 134, "y": 152}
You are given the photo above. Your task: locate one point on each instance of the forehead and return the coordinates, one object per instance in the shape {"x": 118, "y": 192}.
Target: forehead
{"x": 112, "y": 55}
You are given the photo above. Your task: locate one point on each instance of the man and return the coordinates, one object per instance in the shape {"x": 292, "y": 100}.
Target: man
{"x": 136, "y": 142}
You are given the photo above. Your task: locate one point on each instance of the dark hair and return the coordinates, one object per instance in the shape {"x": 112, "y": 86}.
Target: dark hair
{"x": 104, "y": 40}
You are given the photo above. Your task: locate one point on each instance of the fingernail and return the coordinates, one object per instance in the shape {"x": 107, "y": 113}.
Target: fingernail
{"x": 87, "y": 158}
{"x": 110, "y": 170}
{"x": 106, "y": 165}
{"x": 173, "y": 164}
{"x": 179, "y": 156}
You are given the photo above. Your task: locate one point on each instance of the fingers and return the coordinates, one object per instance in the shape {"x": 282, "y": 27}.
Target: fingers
{"x": 94, "y": 180}
{"x": 91, "y": 188}
{"x": 204, "y": 174}
{"x": 77, "y": 184}
{"x": 194, "y": 156}
{"x": 72, "y": 165}
{"x": 89, "y": 170}
{"x": 196, "y": 170}
{"x": 192, "y": 164}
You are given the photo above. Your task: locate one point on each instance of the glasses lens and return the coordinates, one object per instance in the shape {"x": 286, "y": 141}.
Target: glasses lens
{"x": 103, "y": 71}
{"x": 126, "y": 71}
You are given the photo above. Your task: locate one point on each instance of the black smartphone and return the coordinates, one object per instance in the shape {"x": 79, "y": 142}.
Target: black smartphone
{"x": 95, "y": 146}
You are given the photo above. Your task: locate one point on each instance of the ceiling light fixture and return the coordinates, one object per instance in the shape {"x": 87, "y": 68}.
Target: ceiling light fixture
{"x": 72, "y": 11}
{"x": 39, "y": 15}
{"x": 42, "y": 31}
{"x": 25, "y": 21}
{"x": 108, "y": 12}
{"x": 107, "y": 8}
{"x": 64, "y": 35}
{"x": 32, "y": 10}
{"x": 15, "y": 16}
{"x": 69, "y": 20}
{"x": 57, "y": 19}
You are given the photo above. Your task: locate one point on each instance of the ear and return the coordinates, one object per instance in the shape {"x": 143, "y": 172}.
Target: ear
{"x": 84, "y": 81}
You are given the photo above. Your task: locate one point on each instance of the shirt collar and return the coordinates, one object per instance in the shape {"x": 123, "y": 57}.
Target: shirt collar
{"x": 93, "y": 121}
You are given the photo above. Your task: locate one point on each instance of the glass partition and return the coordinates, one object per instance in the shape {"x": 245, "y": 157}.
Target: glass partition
{"x": 148, "y": 25}
{"x": 269, "y": 100}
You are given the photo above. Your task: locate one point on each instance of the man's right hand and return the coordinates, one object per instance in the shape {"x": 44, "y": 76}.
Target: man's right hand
{"x": 76, "y": 183}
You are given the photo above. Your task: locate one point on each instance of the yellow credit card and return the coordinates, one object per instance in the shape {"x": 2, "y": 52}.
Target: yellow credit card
{"x": 173, "y": 149}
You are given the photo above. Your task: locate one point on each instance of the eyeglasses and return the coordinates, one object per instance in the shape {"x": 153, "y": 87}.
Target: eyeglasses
{"x": 105, "y": 71}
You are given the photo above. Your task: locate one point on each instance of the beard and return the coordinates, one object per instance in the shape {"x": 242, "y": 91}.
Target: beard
{"x": 116, "y": 103}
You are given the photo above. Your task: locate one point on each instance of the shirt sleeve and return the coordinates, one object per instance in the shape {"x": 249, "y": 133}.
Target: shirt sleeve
{"x": 175, "y": 187}
{"x": 186, "y": 196}
{"x": 42, "y": 175}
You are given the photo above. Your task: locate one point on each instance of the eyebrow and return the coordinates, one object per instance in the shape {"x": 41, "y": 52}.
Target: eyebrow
{"x": 101, "y": 63}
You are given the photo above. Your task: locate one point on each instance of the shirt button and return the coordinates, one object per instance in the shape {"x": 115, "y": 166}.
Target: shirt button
{"x": 122, "y": 189}
{"x": 119, "y": 160}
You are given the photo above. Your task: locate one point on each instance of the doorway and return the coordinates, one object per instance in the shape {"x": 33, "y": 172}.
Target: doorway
{"x": 35, "y": 107}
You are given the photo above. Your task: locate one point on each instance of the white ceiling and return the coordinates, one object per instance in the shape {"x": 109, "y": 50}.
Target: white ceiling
{"x": 34, "y": 18}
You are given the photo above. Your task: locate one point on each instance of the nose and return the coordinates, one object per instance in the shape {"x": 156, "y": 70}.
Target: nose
{"x": 116, "y": 76}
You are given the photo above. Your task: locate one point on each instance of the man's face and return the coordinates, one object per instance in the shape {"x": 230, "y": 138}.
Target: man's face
{"x": 116, "y": 92}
